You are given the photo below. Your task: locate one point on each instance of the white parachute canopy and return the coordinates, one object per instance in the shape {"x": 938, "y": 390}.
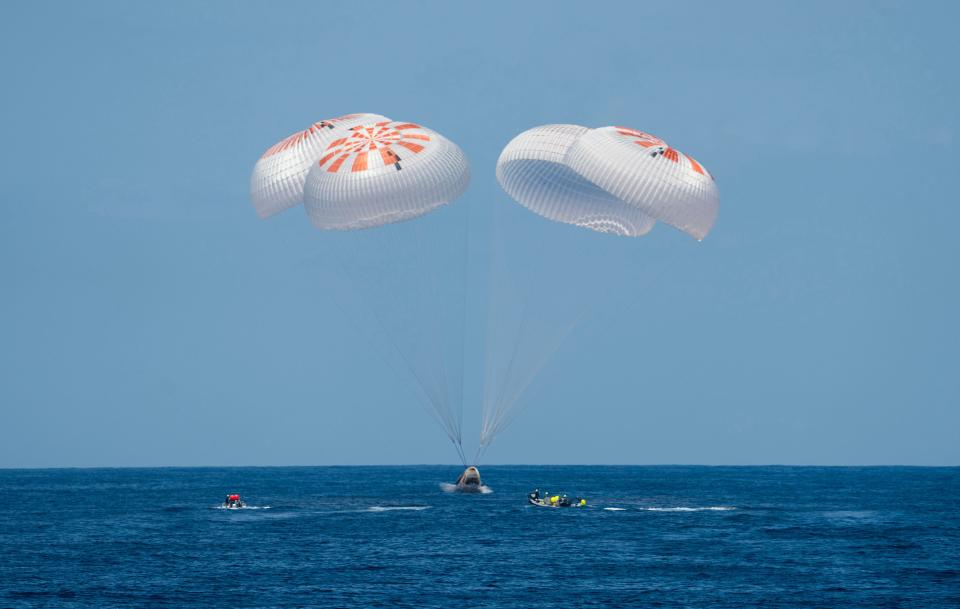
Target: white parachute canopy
{"x": 532, "y": 171}
{"x": 381, "y": 172}
{"x": 278, "y": 177}
{"x": 365, "y": 171}
{"x": 612, "y": 180}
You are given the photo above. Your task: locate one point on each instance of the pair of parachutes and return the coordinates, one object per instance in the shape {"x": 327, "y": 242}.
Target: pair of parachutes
{"x": 365, "y": 170}
{"x": 362, "y": 171}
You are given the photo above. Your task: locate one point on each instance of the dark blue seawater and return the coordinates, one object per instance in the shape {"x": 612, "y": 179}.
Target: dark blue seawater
{"x": 390, "y": 537}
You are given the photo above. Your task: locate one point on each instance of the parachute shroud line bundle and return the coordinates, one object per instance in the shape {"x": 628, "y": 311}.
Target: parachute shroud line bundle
{"x": 366, "y": 171}
{"x": 612, "y": 180}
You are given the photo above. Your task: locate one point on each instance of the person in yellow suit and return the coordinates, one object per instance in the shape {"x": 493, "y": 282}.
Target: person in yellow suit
{"x": 554, "y": 500}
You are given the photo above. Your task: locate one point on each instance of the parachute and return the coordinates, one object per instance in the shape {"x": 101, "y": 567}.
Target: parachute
{"x": 278, "y": 177}
{"x": 382, "y": 173}
{"x": 612, "y": 180}
{"x": 531, "y": 169}
{"x": 366, "y": 171}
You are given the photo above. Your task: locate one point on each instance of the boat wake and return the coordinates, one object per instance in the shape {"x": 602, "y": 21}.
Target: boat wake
{"x": 718, "y": 508}
{"x": 394, "y": 508}
{"x": 246, "y": 507}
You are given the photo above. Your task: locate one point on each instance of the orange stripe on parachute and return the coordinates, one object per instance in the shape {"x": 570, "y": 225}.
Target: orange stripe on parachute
{"x": 337, "y": 119}
{"x": 407, "y": 126}
{"x": 417, "y": 136}
{"x": 411, "y": 146}
{"x": 360, "y": 163}
{"x": 336, "y": 164}
{"x": 695, "y": 165}
{"x": 287, "y": 142}
{"x": 671, "y": 154}
{"x": 336, "y": 143}
{"x": 388, "y": 156}
{"x": 641, "y": 134}
{"x": 326, "y": 158}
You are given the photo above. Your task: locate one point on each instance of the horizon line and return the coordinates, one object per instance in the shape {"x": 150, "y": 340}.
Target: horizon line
{"x": 497, "y": 465}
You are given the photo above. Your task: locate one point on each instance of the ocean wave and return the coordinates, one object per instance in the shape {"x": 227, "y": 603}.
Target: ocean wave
{"x": 717, "y": 508}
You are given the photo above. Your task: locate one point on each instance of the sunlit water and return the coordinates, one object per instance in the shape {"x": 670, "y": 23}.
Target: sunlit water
{"x": 391, "y": 537}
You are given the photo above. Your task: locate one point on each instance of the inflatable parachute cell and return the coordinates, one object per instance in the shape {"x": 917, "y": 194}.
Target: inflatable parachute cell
{"x": 278, "y": 177}
{"x": 359, "y": 171}
{"x": 611, "y": 180}
{"x": 383, "y": 172}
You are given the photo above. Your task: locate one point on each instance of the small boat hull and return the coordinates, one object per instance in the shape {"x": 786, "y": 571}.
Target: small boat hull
{"x": 556, "y": 502}
{"x": 542, "y": 503}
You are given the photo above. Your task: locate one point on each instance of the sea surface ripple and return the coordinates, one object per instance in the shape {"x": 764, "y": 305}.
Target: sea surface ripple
{"x": 390, "y": 537}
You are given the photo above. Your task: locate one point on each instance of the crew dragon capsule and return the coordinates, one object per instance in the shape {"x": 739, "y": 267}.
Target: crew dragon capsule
{"x": 469, "y": 481}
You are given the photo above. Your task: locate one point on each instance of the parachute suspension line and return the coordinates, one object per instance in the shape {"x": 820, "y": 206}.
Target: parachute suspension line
{"x": 463, "y": 319}
{"x": 488, "y": 338}
{"x": 434, "y": 324}
{"x": 433, "y": 399}
{"x": 493, "y": 422}
{"x": 533, "y": 346}
{"x": 480, "y": 450}
{"x": 428, "y": 394}
{"x": 509, "y": 412}
{"x": 493, "y": 401}
{"x": 463, "y": 457}
{"x": 492, "y": 291}
{"x": 426, "y": 397}
{"x": 427, "y": 294}
{"x": 487, "y": 343}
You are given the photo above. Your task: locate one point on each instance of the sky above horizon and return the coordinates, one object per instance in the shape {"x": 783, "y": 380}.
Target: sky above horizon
{"x": 149, "y": 318}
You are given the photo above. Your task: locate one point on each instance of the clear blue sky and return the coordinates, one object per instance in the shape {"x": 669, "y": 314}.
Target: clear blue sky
{"x": 149, "y": 318}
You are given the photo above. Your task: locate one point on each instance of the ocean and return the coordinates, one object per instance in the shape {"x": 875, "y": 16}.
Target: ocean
{"x": 659, "y": 536}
